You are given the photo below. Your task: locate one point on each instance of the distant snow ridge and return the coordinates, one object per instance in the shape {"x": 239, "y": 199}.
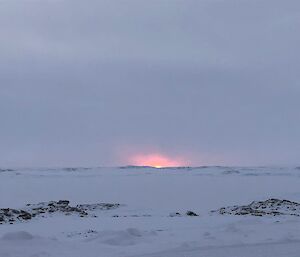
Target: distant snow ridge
{"x": 6, "y": 170}
{"x": 271, "y": 207}
{"x": 9, "y": 215}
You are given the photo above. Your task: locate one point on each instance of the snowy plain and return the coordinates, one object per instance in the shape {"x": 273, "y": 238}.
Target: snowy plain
{"x": 145, "y": 224}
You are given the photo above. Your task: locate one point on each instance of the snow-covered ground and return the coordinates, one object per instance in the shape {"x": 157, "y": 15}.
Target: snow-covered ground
{"x": 145, "y": 223}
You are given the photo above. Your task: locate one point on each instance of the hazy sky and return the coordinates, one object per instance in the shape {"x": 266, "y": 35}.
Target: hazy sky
{"x": 96, "y": 82}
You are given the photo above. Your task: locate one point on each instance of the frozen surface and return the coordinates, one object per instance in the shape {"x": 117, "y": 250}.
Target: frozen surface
{"x": 151, "y": 219}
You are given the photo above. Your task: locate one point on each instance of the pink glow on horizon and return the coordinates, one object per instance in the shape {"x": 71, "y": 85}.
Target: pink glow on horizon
{"x": 156, "y": 160}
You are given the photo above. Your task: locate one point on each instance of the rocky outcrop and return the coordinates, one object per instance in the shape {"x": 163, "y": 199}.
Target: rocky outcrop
{"x": 273, "y": 207}
{"x": 9, "y": 215}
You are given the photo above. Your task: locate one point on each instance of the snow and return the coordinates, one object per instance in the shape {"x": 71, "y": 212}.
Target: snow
{"x": 144, "y": 224}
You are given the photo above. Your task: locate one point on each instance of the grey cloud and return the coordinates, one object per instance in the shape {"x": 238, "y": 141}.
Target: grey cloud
{"x": 85, "y": 83}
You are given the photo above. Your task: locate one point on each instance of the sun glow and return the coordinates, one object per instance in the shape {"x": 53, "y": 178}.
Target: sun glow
{"x": 156, "y": 161}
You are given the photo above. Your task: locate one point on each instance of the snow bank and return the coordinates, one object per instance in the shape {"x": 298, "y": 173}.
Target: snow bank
{"x": 20, "y": 235}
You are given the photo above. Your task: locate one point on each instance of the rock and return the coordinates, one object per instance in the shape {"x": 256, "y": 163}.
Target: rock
{"x": 190, "y": 213}
{"x": 98, "y": 206}
{"x": 175, "y": 214}
{"x": 271, "y": 207}
{"x": 8, "y": 215}
{"x": 63, "y": 202}
{"x": 25, "y": 215}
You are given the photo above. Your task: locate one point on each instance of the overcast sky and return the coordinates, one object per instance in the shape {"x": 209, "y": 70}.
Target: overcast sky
{"x": 95, "y": 82}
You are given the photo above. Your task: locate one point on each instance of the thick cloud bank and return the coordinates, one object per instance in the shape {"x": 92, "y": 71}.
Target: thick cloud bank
{"x": 94, "y": 83}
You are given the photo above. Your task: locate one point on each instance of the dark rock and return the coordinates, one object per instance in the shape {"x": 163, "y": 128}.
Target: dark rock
{"x": 273, "y": 207}
{"x": 175, "y": 214}
{"x": 63, "y": 202}
{"x": 25, "y": 215}
{"x": 8, "y": 215}
{"x": 190, "y": 213}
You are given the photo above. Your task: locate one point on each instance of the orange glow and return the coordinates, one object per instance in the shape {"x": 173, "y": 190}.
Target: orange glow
{"x": 155, "y": 160}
